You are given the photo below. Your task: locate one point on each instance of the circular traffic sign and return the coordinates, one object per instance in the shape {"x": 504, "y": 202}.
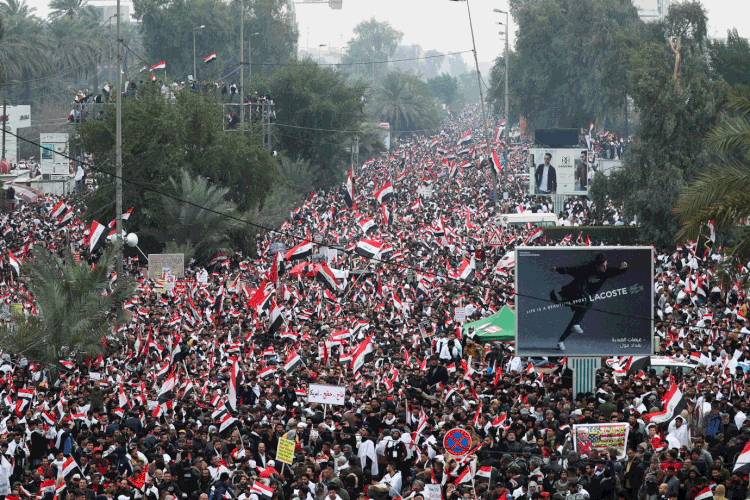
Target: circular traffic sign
{"x": 457, "y": 442}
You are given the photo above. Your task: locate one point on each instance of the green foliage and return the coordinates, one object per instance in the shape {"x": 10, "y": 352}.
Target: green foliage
{"x": 406, "y": 102}
{"x": 445, "y": 88}
{"x": 74, "y": 304}
{"x": 317, "y": 115}
{"x": 160, "y": 140}
{"x": 611, "y": 235}
{"x": 730, "y": 59}
{"x": 673, "y": 117}
{"x": 567, "y": 69}
{"x": 168, "y": 25}
{"x": 197, "y": 219}
{"x": 721, "y": 193}
{"x": 373, "y": 41}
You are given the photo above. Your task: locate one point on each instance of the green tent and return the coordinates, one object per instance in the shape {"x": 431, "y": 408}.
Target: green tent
{"x": 499, "y": 326}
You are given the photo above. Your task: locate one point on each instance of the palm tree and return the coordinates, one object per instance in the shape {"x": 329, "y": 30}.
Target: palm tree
{"x": 401, "y": 100}
{"x": 722, "y": 192}
{"x": 74, "y": 52}
{"x": 23, "y": 48}
{"x": 75, "y": 304}
{"x": 199, "y": 226}
{"x": 10, "y": 8}
{"x": 70, "y": 8}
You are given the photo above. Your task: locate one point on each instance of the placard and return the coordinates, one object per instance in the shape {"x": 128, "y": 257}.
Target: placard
{"x": 285, "y": 451}
{"x": 432, "y": 492}
{"x": 326, "y": 394}
{"x": 601, "y": 437}
{"x": 460, "y": 314}
{"x": 171, "y": 263}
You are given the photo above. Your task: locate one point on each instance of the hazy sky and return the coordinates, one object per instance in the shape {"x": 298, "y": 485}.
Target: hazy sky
{"x": 444, "y": 25}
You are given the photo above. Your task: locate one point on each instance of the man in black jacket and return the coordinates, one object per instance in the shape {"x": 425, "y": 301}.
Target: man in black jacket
{"x": 436, "y": 374}
{"x": 546, "y": 177}
{"x": 587, "y": 280}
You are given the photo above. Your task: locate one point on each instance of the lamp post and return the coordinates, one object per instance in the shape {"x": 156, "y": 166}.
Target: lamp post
{"x": 484, "y": 113}
{"x": 320, "y": 46}
{"x": 118, "y": 162}
{"x": 507, "y": 119}
{"x": 250, "y": 56}
{"x": 195, "y": 69}
{"x": 242, "y": 63}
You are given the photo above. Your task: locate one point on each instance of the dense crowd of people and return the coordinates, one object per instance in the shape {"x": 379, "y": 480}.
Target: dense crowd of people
{"x": 211, "y": 379}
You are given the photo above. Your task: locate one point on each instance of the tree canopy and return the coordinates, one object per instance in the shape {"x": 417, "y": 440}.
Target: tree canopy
{"x": 160, "y": 140}
{"x": 317, "y": 116}
{"x": 568, "y": 69}
{"x": 373, "y": 41}
{"x": 730, "y": 59}
{"x": 675, "y": 114}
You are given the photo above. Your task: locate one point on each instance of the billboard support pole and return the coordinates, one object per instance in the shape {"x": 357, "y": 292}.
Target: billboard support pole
{"x": 584, "y": 374}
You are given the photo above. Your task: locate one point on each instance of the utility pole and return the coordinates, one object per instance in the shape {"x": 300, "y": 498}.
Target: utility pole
{"x": 507, "y": 117}
{"x": 5, "y": 121}
{"x": 242, "y": 63}
{"x": 118, "y": 164}
{"x": 493, "y": 174}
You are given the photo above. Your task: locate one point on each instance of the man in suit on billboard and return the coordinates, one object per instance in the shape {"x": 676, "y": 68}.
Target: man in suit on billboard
{"x": 546, "y": 177}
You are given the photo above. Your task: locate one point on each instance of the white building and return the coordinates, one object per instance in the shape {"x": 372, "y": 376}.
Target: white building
{"x": 18, "y": 117}
{"x": 652, "y": 10}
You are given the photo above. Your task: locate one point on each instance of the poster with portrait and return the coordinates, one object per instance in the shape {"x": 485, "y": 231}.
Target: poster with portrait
{"x": 568, "y": 171}
{"x": 601, "y": 437}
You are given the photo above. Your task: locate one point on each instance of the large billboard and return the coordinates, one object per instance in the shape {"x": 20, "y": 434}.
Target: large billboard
{"x": 584, "y": 301}
{"x": 567, "y": 172}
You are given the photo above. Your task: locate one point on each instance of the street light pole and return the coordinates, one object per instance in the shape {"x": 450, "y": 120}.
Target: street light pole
{"x": 507, "y": 63}
{"x": 242, "y": 63}
{"x": 250, "y": 57}
{"x": 118, "y": 163}
{"x": 195, "y": 69}
{"x": 487, "y": 141}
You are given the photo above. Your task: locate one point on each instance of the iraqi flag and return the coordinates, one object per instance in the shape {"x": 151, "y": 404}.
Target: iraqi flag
{"x": 358, "y": 356}
{"x": 485, "y": 472}
{"x": 705, "y": 494}
{"x": 367, "y": 225}
{"x": 387, "y": 215}
{"x": 324, "y": 274}
{"x": 262, "y": 490}
{"x": 293, "y": 360}
{"x": 95, "y": 234}
{"x": 58, "y": 210}
{"x": 368, "y": 248}
{"x": 210, "y": 58}
{"x": 301, "y": 251}
{"x": 533, "y": 236}
{"x": 674, "y": 403}
{"x": 464, "y": 476}
{"x": 465, "y": 139}
{"x": 466, "y": 270}
{"x": 385, "y": 193}
{"x": 14, "y": 265}
{"x": 277, "y": 320}
{"x": 69, "y": 466}
{"x": 161, "y": 65}
{"x": 233, "y": 385}
{"x": 743, "y": 459}
{"x": 349, "y": 193}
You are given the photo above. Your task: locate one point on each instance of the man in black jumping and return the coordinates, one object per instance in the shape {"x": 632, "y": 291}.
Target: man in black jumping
{"x": 587, "y": 280}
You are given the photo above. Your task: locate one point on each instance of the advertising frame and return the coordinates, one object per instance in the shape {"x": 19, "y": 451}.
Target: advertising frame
{"x": 647, "y": 347}
{"x": 565, "y": 161}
